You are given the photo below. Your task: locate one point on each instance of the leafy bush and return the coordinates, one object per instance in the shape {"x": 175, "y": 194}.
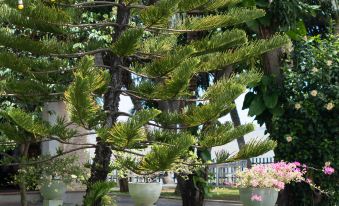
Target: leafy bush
{"x": 306, "y": 127}
{"x": 99, "y": 191}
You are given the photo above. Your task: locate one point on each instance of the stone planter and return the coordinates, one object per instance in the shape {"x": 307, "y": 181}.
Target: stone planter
{"x": 269, "y": 196}
{"x": 53, "y": 192}
{"x": 145, "y": 194}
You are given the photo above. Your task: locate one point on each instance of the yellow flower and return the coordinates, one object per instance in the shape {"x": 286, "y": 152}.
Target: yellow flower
{"x": 314, "y": 93}
{"x": 327, "y": 164}
{"x": 329, "y": 106}
{"x": 289, "y": 139}
{"x": 315, "y": 70}
{"x": 329, "y": 63}
{"x": 297, "y": 106}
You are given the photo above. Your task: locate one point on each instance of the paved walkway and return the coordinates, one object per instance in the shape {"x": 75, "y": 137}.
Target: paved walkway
{"x": 126, "y": 201}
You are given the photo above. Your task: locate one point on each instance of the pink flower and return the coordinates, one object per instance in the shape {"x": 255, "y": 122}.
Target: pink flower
{"x": 254, "y": 183}
{"x": 308, "y": 180}
{"x": 297, "y": 164}
{"x": 256, "y": 197}
{"x": 328, "y": 170}
{"x": 280, "y": 185}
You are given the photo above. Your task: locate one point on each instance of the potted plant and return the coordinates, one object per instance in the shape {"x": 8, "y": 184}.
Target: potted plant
{"x": 145, "y": 193}
{"x": 259, "y": 186}
{"x": 56, "y": 174}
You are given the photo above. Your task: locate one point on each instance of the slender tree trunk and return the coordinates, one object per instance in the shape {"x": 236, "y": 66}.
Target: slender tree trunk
{"x": 226, "y": 73}
{"x": 23, "y": 194}
{"x": 103, "y": 153}
{"x": 22, "y": 185}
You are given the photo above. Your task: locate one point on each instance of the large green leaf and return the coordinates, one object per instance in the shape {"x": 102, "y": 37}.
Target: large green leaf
{"x": 257, "y": 106}
{"x": 248, "y": 100}
{"x": 270, "y": 100}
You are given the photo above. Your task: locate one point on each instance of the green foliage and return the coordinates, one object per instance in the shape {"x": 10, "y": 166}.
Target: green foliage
{"x": 66, "y": 169}
{"x": 29, "y": 122}
{"x": 159, "y": 44}
{"x": 251, "y": 49}
{"x": 13, "y": 16}
{"x": 189, "y": 5}
{"x": 128, "y": 42}
{"x": 164, "y": 157}
{"x": 305, "y": 125}
{"x": 46, "y": 46}
{"x": 311, "y": 120}
{"x": 223, "y": 134}
{"x": 82, "y": 104}
{"x": 163, "y": 66}
{"x": 38, "y": 12}
{"x": 159, "y": 13}
{"x": 233, "y": 17}
{"x": 253, "y": 148}
{"x": 10, "y": 132}
{"x": 220, "y": 42}
{"x": 27, "y": 66}
{"x": 99, "y": 191}
{"x": 129, "y": 134}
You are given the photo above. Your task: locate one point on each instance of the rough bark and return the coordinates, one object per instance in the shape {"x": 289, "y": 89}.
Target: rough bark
{"x": 123, "y": 184}
{"x": 22, "y": 185}
{"x": 271, "y": 59}
{"x": 191, "y": 194}
{"x": 103, "y": 153}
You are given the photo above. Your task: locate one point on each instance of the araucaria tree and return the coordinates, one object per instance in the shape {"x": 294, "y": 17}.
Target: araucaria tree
{"x": 144, "y": 61}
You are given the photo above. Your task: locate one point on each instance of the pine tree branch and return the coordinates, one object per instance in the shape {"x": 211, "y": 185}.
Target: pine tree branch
{"x": 49, "y": 159}
{"x": 169, "y": 127}
{"x": 96, "y": 4}
{"x": 66, "y": 142}
{"x": 31, "y": 95}
{"x": 151, "y": 28}
{"x": 52, "y": 71}
{"x": 81, "y": 54}
{"x": 93, "y": 4}
{"x": 102, "y": 24}
{"x": 132, "y": 93}
{"x": 126, "y": 69}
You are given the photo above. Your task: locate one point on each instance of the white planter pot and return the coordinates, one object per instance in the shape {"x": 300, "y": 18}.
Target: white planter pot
{"x": 53, "y": 192}
{"x": 269, "y": 196}
{"x": 145, "y": 194}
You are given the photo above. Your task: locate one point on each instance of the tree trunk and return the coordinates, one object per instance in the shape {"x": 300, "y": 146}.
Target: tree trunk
{"x": 191, "y": 194}
{"x": 241, "y": 140}
{"x": 123, "y": 184}
{"x": 226, "y": 73}
{"x": 271, "y": 59}
{"x": 23, "y": 192}
{"x": 103, "y": 153}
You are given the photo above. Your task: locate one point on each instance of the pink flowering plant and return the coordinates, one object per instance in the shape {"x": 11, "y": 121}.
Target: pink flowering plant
{"x": 275, "y": 175}
{"x": 279, "y": 174}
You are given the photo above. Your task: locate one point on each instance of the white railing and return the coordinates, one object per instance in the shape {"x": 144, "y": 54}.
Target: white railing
{"x": 223, "y": 175}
